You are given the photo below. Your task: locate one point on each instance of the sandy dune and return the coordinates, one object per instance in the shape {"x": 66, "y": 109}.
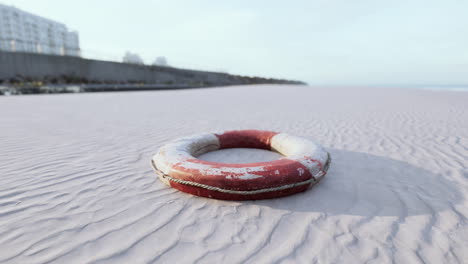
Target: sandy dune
{"x": 76, "y": 184}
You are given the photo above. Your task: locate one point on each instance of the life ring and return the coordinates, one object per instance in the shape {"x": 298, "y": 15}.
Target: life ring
{"x": 305, "y": 163}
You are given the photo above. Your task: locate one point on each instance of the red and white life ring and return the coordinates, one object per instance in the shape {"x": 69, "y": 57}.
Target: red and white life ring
{"x": 304, "y": 164}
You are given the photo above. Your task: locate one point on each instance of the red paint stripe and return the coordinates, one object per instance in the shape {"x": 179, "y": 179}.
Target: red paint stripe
{"x": 246, "y": 139}
{"x": 276, "y": 173}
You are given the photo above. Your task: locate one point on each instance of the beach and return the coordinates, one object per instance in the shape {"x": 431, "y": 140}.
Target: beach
{"x": 76, "y": 184}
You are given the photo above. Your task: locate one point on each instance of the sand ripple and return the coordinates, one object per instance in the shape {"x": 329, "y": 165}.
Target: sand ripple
{"x": 76, "y": 185}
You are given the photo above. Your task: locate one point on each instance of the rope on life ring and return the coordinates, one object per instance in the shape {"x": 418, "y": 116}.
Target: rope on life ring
{"x": 212, "y": 188}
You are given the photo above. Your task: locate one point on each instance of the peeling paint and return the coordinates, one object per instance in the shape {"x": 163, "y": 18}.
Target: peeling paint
{"x": 303, "y": 161}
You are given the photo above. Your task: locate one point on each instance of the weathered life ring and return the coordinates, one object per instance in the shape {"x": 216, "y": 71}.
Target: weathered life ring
{"x": 305, "y": 163}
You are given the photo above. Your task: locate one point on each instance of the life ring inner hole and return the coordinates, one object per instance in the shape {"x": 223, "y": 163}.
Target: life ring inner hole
{"x": 240, "y": 155}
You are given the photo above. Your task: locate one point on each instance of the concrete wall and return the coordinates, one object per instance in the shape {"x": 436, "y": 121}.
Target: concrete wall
{"x": 39, "y": 66}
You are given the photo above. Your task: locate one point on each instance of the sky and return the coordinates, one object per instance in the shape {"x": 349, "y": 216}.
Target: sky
{"x": 322, "y": 42}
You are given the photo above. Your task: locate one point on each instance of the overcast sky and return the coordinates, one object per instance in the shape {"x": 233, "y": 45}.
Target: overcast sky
{"x": 332, "y": 42}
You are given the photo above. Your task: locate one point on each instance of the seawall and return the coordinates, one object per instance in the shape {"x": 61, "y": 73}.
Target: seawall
{"x": 30, "y": 67}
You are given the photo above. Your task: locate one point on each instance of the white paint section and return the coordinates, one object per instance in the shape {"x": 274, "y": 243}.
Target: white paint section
{"x": 301, "y": 150}
{"x": 180, "y": 150}
{"x": 294, "y": 146}
{"x": 240, "y": 173}
{"x": 249, "y": 176}
{"x": 163, "y": 179}
{"x": 313, "y": 167}
{"x": 301, "y": 171}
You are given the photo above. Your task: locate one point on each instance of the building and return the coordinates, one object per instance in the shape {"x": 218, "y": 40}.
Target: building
{"x": 132, "y": 58}
{"x": 21, "y": 31}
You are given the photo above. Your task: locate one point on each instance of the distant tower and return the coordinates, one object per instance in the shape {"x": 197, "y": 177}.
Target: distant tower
{"x": 21, "y": 31}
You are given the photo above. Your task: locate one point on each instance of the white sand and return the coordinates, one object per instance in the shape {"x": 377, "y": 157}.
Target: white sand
{"x": 76, "y": 184}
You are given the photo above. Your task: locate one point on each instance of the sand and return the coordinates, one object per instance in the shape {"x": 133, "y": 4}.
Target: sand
{"x": 76, "y": 185}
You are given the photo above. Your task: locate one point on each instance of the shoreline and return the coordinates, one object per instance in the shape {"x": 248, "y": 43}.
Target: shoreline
{"x": 93, "y": 88}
